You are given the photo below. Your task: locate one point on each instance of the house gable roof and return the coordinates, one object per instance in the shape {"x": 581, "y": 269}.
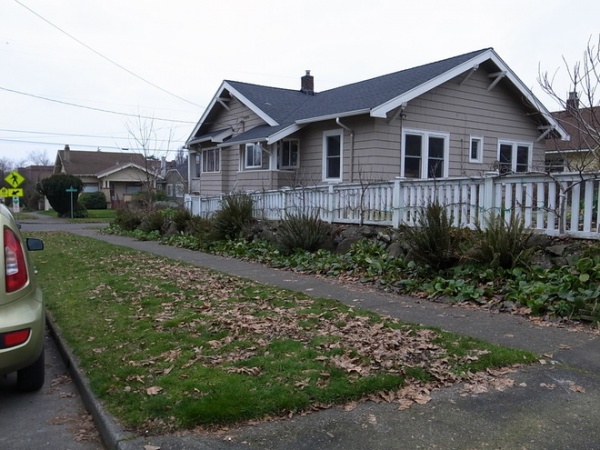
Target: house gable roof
{"x": 576, "y": 124}
{"x": 130, "y": 165}
{"x": 284, "y": 111}
{"x": 84, "y": 163}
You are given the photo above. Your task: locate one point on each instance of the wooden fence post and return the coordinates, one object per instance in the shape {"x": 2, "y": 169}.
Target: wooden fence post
{"x": 488, "y": 196}
{"x": 397, "y": 203}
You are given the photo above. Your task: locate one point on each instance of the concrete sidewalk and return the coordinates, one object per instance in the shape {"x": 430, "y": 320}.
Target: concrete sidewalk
{"x": 545, "y": 409}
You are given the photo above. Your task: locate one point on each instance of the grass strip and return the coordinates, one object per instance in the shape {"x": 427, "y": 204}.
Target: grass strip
{"x": 169, "y": 346}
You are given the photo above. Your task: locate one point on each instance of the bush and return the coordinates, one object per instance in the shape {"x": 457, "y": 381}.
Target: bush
{"x": 80, "y": 211}
{"x": 153, "y": 221}
{"x": 199, "y": 227}
{"x": 302, "y": 231}
{"x": 503, "y": 243}
{"x": 180, "y": 218}
{"x": 57, "y": 189}
{"x": 146, "y": 200}
{"x": 235, "y": 214}
{"x": 93, "y": 200}
{"x": 434, "y": 241}
{"x": 127, "y": 219}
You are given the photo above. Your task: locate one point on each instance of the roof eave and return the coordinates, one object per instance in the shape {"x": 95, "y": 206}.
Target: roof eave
{"x": 332, "y": 116}
{"x": 382, "y": 110}
{"x": 282, "y": 134}
{"x": 225, "y": 86}
{"x": 243, "y": 141}
{"x": 217, "y": 138}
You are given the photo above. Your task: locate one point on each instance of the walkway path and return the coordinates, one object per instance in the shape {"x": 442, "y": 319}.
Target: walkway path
{"x": 545, "y": 409}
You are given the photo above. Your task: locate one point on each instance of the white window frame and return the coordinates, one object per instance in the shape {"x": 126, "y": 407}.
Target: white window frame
{"x": 514, "y": 149}
{"x": 479, "y": 157}
{"x": 256, "y": 150}
{"x": 205, "y": 157}
{"x": 326, "y": 157}
{"x": 281, "y": 151}
{"x": 425, "y": 136}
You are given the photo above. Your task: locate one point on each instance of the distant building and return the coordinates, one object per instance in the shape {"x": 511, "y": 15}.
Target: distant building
{"x": 119, "y": 175}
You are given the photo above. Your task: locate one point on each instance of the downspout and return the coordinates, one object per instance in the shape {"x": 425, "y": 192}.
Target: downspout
{"x": 337, "y": 120}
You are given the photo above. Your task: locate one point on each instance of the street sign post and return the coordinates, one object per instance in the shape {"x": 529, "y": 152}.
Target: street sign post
{"x": 71, "y": 190}
{"x": 15, "y": 179}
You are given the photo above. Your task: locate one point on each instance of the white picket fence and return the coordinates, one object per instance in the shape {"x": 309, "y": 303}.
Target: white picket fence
{"x": 557, "y": 204}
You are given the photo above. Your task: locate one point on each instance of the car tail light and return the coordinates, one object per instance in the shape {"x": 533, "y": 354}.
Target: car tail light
{"x": 14, "y": 338}
{"x": 15, "y": 268}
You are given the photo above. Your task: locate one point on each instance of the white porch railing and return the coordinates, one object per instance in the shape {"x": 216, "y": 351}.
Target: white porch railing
{"x": 565, "y": 203}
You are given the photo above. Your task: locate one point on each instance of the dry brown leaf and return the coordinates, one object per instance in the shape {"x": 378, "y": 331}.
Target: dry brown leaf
{"x": 154, "y": 390}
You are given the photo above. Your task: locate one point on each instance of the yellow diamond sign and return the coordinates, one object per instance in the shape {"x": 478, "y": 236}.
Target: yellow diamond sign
{"x": 14, "y": 179}
{"x": 6, "y": 192}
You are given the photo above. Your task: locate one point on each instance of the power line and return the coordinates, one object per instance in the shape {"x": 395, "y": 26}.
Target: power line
{"x": 49, "y": 133}
{"x": 105, "y": 57}
{"x": 98, "y": 147}
{"x": 41, "y": 97}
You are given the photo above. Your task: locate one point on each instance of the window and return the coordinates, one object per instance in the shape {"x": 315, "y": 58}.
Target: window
{"x": 288, "y": 154}
{"x": 253, "y": 158}
{"x": 332, "y": 155}
{"x": 211, "y": 160}
{"x": 197, "y": 166}
{"x": 555, "y": 163}
{"x": 179, "y": 190}
{"x": 169, "y": 190}
{"x": 133, "y": 188}
{"x": 476, "y": 149}
{"x": 514, "y": 156}
{"x": 424, "y": 154}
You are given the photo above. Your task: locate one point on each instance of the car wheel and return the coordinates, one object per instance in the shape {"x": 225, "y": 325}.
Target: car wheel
{"x": 31, "y": 378}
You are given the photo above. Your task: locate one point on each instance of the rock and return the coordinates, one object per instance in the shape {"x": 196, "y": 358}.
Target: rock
{"x": 557, "y": 250}
{"x": 345, "y": 245}
{"x": 395, "y": 250}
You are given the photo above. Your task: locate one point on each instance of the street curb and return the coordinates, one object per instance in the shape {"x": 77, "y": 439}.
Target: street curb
{"x": 111, "y": 434}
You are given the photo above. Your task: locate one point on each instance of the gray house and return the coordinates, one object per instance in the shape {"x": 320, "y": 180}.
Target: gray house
{"x": 461, "y": 116}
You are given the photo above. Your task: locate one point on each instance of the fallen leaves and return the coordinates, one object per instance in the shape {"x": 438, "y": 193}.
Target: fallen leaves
{"x": 237, "y": 321}
{"x": 154, "y": 390}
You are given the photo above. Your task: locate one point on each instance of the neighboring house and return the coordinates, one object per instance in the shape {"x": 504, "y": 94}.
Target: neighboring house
{"x": 174, "y": 180}
{"x": 118, "y": 175}
{"x": 33, "y": 175}
{"x": 582, "y": 151}
{"x": 460, "y": 116}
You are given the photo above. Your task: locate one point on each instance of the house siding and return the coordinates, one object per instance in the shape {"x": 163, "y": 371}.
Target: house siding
{"x": 240, "y": 118}
{"x": 460, "y": 108}
{"x": 470, "y": 109}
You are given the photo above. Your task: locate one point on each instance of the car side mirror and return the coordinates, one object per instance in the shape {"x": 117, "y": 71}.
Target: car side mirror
{"x": 34, "y": 244}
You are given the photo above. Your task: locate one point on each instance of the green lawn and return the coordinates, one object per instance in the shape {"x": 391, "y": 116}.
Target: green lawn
{"x": 168, "y": 346}
{"x": 94, "y": 215}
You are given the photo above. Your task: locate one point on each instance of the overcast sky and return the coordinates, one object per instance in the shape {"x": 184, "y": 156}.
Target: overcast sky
{"x": 96, "y": 74}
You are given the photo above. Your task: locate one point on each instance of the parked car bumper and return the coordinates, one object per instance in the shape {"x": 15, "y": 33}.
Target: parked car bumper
{"x": 24, "y": 314}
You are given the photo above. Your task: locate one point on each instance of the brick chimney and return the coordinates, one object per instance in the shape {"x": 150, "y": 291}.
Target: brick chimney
{"x": 572, "y": 102}
{"x": 308, "y": 84}
{"x": 67, "y": 154}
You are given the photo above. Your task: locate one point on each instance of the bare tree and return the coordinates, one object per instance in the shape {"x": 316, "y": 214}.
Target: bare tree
{"x": 580, "y": 117}
{"x": 36, "y": 158}
{"x": 144, "y": 136}
{"x": 580, "y": 114}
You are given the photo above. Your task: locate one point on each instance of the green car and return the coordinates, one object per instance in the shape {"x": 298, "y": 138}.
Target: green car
{"x": 22, "y": 313}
